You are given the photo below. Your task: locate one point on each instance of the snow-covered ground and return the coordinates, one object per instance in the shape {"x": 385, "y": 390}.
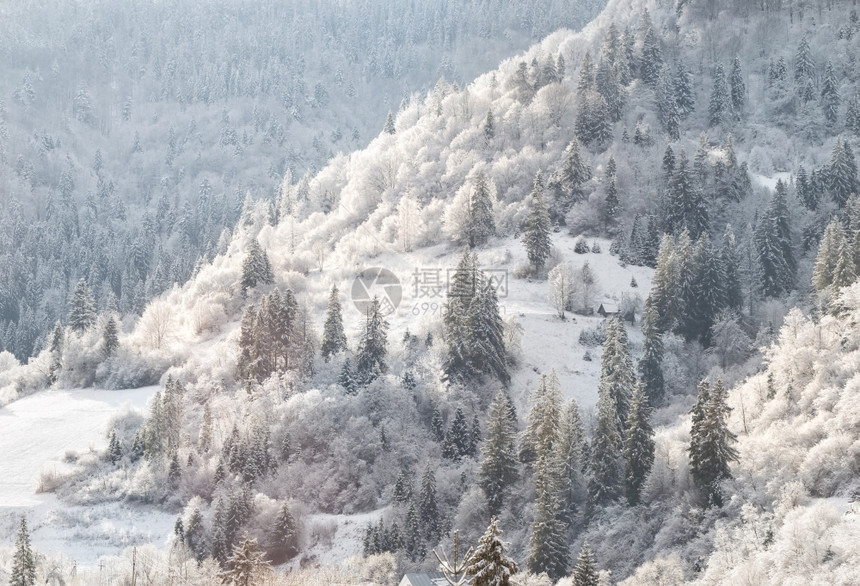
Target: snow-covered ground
{"x": 36, "y": 434}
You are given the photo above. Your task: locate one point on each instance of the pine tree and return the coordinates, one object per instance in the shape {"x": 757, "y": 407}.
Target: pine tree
{"x": 285, "y": 535}
{"x": 843, "y": 173}
{"x": 652, "y": 58}
{"x": 684, "y": 97}
{"x": 481, "y": 224}
{"x": 110, "y": 338}
{"x": 832, "y": 241}
{"x": 537, "y": 230}
{"x": 373, "y": 347}
{"x": 547, "y": 542}
{"x": 617, "y": 377}
{"x": 544, "y": 421}
{"x": 82, "y": 314}
{"x": 56, "y": 350}
{"x": 719, "y": 104}
{"x": 498, "y": 470}
{"x": 489, "y": 564}
{"x": 245, "y": 565}
{"x": 739, "y": 89}
{"x": 774, "y": 249}
{"x": 804, "y": 66}
{"x": 428, "y": 511}
{"x": 585, "y": 572}
{"x": 334, "y": 338}
{"x": 568, "y": 453}
{"x": 638, "y": 445}
{"x": 830, "y": 95}
{"x": 604, "y": 484}
{"x": 711, "y": 448}
{"x": 23, "y": 559}
{"x": 256, "y": 268}
{"x": 389, "y": 124}
{"x": 651, "y": 363}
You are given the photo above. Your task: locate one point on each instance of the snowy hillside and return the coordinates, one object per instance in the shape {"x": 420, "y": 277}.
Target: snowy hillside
{"x": 407, "y": 343}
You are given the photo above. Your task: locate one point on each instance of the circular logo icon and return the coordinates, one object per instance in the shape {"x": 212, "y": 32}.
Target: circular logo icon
{"x": 377, "y": 282}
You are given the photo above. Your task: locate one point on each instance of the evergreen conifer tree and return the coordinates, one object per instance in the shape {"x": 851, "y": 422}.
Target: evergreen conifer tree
{"x": 489, "y": 564}
{"x": 774, "y": 248}
{"x": 573, "y": 174}
{"x": 489, "y": 127}
{"x": 82, "y": 314}
{"x": 245, "y": 564}
{"x": 23, "y": 559}
{"x": 617, "y": 377}
{"x": 373, "y": 347}
{"x": 719, "y": 104}
{"x": 651, "y": 363}
{"x": 569, "y": 452}
{"x": 544, "y": 421}
{"x": 56, "y": 350}
{"x": 481, "y": 224}
{"x": 428, "y": 511}
{"x": 537, "y": 230}
{"x": 547, "y": 542}
{"x": 585, "y": 572}
{"x": 285, "y": 535}
{"x": 843, "y": 173}
{"x": 711, "y": 448}
{"x": 604, "y": 483}
{"x": 652, "y": 58}
{"x": 830, "y": 95}
{"x": 334, "y": 338}
{"x": 498, "y": 470}
{"x": 256, "y": 268}
{"x": 738, "y": 88}
{"x": 804, "y": 66}
{"x": 832, "y": 241}
{"x": 110, "y": 338}
{"x": 389, "y": 124}
{"x": 684, "y": 96}
{"x": 638, "y": 445}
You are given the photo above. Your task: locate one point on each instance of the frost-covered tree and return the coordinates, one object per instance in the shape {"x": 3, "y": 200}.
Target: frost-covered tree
{"x": 617, "y": 377}
{"x": 561, "y": 287}
{"x": 428, "y": 510}
{"x": 56, "y": 350}
{"x": 569, "y": 453}
{"x": 804, "y": 66}
{"x": 711, "y": 442}
{"x": 373, "y": 346}
{"x": 334, "y": 338}
{"x": 570, "y": 178}
{"x": 605, "y": 480}
{"x": 687, "y": 207}
{"x": 719, "y": 104}
{"x": 246, "y": 564}
{"x": 389, "y": 124}
{"x": 498, "y": 470}
{"x": 489, "y": 127}
{"x": 843, "y": 173}
{"x": 82, "y": 313}
{"x": 547, "y": 549}
{"x": 685, "y": 98}
{"x": 832, "y": 242}
{"x": 544, "y": 421}
{"x": 256, "y": 268}
{"x": 738, "y": 88}
{"x": 651, "y": 363}
{"x": 23, "y": 571}
{"x": 585, "y": 572}
{"x": 110, "y": 338}
{"x": 638, "y": 445}
{"x": 490, "y": 564}
{"x": 284, "y": 535}
{"x": 652, "y": 58}
{"x": 774, "y": 248}
{"x": 537, "y": 229}
{"x": 667, "y": 104}
{"x": 481, "y": 224}
{"x": 830, "y": 95}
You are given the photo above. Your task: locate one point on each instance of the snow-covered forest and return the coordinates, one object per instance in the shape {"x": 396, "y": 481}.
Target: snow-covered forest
{"x": 592, "y": 313}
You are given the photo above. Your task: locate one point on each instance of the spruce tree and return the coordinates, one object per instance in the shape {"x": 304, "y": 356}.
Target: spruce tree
{"x": 110, "y": 338}
{"x": 428, "y": 511}
{"x": 774, "y": 250}
{"x": 585, "y": 572}
{"x": 373, "y": 347}
{"x": 651, "y": 363}
{"x": 489, "y": 127}
{"x": 830, "y": 95}
{"x": 574, "y": 173}
{"x": 638, "y": 445}
{"x": 486, "y": 332}
{"x": 498, "y": 470}
{"x": 544, "y": 421}
{"x": 738, "y": 88}
{"x": 23, "y": 559}
{"x": 412, "y": 542}
{"x": 334, "y": 338}
{"x": 730, "y": 261}
{"x": 684, "y": 96}
{"x": 537, "y": 230}
{"x": 389, "y": 124}
{"x": 256, "y": 268}
{"x": 832, "y": 241}
{"x": 569, "y": 451}
{"x": 617, "y": 377}
{"x": 481, "y": 224}
{"x": 56, "y": 350}
{"x": 719, "y": 104}
{"x": 285, "y": 535}
{"x": 82, "y": 314}
{"x": 804, "y": 66}
{"x": 547, "y": 541}
{"x": 843, "y": 173}
{"x": 604, "y": 483}
{"x": 852, "y": 115}
{"x": 711, "y": 450}
{"x": 652, "y": 58}
{"x": 245, "y": 565}
{"x": 663, "y": 297}
{"x": 804, "y": 190}
{"x": 489, "y": 564}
